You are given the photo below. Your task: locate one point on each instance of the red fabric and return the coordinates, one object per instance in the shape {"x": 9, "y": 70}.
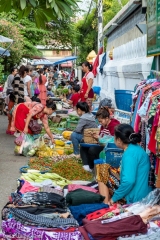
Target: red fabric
{"x": 114, "y": 122}
{"x": 84, "y": 90}
{"x": 113, "y": 230}
{"x": 101, "y": 212}
{"x": 157, "y": 166}
{"x": 20, "y": 116}
{"x": 75, "y": 98}
{"x": 96, "y": 62}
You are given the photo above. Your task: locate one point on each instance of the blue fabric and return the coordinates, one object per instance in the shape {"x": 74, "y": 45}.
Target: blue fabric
{"x": 102, "y": 64}
{"x": 79, "y": 212}
{"x": 134, "y": 175}
{"x": 76, "y": 138}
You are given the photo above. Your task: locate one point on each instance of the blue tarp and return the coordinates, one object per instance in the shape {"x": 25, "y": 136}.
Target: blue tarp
{"x": 71, "y": 58}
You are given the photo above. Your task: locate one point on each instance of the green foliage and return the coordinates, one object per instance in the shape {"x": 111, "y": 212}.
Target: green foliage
{"x": 86, "y": 38}
{"x": 8, "y": 29}
{"x": 1, "y": 70}
{"x": 27, "y": 36}
{"x": 87, "y": 29}
{"x": 41, "y": 11}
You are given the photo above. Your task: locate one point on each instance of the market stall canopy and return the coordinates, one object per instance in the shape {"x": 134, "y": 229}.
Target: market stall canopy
{"x": 42, "y": 62}
{"x": 5, "y": 39}
{"x": 63, "y": 60}
{"x": 4, "y": 52}
{"x": 67, "y": 64}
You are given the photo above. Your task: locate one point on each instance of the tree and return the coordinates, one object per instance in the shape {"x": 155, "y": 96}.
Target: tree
{"x": 40, "y": 11}
{"x": 87, "y": 27}
{"x": 9, "y": 30}
{"x": 86, "y": 39}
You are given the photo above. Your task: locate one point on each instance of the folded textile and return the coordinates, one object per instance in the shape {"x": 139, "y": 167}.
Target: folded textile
{"x": 81, "y": 196}
{"x": 44, "y": 198}
{"x": 27, "y": 187}
{"x": 80, "y": 212}
{"x": 36, "y": 220}
{"x": 42, "y": 210}
{"x": 72, "y": 187}
{"x": 16, "y": 229}
{"x": 51, "y": 190}
{"x": 99, "y": 213}
{"x": 16, "y": 199}
{"x": 113, "y": 230}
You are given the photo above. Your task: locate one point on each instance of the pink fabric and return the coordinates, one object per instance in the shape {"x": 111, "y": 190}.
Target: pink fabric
{"x": 72, "y": 187}
{"x": 138, "y": 118}
{"x": 27, "y": 187}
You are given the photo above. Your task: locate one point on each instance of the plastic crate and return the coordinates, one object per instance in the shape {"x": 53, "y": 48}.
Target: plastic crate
{"x": 123, "y": 99}
{"x": 113, "y": 157}
{"x": 71, "y": 124}
{"x": 96, "y": 90}
{"x": 122, "y": 116}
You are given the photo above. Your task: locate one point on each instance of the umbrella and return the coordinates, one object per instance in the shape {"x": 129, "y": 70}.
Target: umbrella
{"x": 42, "y": 62}
{"x": 5, "y": 39}
{"x": 66, "y": 59}
{"x": 96, "y": 62}
{"x": 4, "y": 52}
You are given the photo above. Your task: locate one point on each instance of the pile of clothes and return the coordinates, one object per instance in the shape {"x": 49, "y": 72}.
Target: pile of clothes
{"x": 77, "y": 212}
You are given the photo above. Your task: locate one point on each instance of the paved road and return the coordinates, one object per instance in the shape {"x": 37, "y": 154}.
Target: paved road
{"x": 9, "y": 164}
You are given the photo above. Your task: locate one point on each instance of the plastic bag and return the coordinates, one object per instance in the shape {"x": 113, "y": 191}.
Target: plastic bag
{"x": 106, "y": 139}
{"x": 26, "y": 144}
{"x": 18, "y": 141}
{"x": 38, "y": 143}
{"x": 17, "y": 150}
{"x": 152, "y": 199}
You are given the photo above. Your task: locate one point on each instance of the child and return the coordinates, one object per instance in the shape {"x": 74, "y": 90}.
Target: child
{"x": 87, "y": 120}
{"x": 75, "y": 97}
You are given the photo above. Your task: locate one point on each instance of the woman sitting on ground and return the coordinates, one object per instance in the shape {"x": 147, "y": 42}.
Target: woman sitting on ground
{"x": 89, "y": 154}
{"x": 132, "y": 184}
{"x": 24, "y": 112}
{"x": 87, "y": 120}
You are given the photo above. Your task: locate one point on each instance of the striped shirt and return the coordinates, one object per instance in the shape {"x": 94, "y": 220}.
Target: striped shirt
{"x": 18, "y": 87}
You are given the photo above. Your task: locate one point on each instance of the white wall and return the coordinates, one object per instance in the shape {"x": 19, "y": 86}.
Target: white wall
{"x": 128, "y": 67}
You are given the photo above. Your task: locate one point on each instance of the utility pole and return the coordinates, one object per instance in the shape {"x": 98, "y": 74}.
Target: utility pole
{"x": 100, "y": 23}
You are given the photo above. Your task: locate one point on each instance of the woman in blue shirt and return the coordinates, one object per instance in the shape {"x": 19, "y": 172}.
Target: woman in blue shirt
{"x": 132, "y": 185}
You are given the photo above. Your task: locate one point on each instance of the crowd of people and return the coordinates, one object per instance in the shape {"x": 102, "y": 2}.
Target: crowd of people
{"x": 29, "y": 96}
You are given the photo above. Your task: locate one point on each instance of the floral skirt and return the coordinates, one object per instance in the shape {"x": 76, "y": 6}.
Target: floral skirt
{"x": 109, "y": 176}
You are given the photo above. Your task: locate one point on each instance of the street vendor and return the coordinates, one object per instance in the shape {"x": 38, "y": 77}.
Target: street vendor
{"x": 132, "y": 183}
{"x": 87, "y": 82}
{"x": 24, "y": 112}
{"x": 87, "y": 120}
{"x": 108, "y": 123}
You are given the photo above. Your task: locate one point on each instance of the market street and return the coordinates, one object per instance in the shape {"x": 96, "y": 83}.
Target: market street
{"x": 9, "y": 163}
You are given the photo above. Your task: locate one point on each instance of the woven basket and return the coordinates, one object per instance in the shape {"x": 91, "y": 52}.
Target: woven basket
{"x": 88, "y": 135}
